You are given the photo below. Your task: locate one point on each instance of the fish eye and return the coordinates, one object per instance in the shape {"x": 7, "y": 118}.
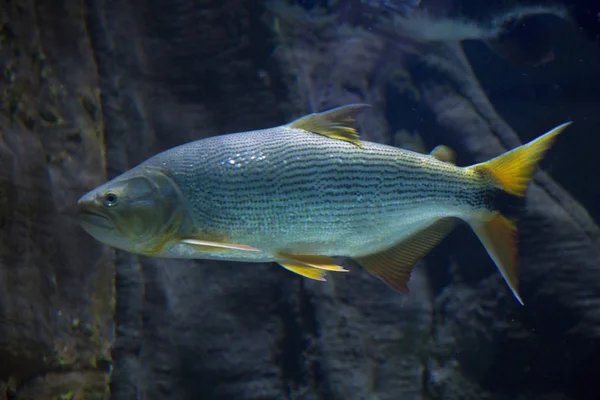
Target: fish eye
{"x": 110, "y": 199}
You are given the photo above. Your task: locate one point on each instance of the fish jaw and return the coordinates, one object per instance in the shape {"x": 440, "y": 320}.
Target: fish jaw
{"x": 97, "y": 223}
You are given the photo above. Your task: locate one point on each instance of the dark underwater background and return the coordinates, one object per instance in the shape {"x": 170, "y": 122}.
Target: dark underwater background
{"x": 91, "y": 88}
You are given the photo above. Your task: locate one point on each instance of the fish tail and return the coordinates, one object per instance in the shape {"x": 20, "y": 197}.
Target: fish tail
{"x": 510, "y": 173}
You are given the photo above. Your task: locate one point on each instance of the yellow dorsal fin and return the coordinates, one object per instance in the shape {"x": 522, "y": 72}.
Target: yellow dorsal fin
{"x": 394, "y": 265}
{"x": 513, "y": 170}
{"x": 300, "y": 269}
{"x": 337, "y": 123}
{"x": 444, "y": 153}
{"x": 499, "y": 237}
{"x": 319, "y": 262}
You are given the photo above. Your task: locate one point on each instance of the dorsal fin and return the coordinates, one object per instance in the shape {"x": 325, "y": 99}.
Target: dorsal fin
{"x": 337, "y": 123}
{"x": 394, "y": 265}
{"x": 444, "y": 153}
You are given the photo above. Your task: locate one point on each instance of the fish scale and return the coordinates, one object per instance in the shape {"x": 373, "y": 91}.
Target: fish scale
{"x": 251, "y": 184}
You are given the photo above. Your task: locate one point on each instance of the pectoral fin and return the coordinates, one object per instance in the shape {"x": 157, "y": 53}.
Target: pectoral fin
{"x": 394, "y": 265}
{"x": 337, "y": 123}
{"x": 207, "y": 245}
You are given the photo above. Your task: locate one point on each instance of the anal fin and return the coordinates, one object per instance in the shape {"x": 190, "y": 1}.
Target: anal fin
{"x": 499, "y": 237}
{"x": 394, "y": 265}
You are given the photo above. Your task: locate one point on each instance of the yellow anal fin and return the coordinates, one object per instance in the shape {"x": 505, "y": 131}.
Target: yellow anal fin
{"x": 319, "y": 262}
{"x": 307, "y": 272}
{"x": 444, "y": 153}
{"x": 207, "y": 245}
{"x": 513, "y": 170}
{"x": 499, "y": 236}
{"x": 337, "y": 123}
{"x": 394, "y": 265}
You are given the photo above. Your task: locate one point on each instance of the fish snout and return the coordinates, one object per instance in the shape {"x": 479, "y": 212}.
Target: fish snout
{"x": 84, "y": 203}
{"x": 87, "y": 208}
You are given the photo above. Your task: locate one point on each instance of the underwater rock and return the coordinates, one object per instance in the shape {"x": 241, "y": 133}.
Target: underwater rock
{"x": 56, "y": 285}
{"x": 214, "y": 330}
{"x": 173, "y": 71}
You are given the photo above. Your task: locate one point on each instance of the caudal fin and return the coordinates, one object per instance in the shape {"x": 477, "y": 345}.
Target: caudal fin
{"x": 511, "y": 172}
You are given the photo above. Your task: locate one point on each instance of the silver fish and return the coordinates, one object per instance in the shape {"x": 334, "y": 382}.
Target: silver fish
{"x": 302, "y": 193}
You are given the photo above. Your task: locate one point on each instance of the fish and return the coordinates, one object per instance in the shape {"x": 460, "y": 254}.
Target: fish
{"x": 309, "y": 192}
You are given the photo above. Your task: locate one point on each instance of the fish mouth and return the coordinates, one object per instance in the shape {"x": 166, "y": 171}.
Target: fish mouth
{"x": 91, "y": 212}
{"x": 92, "y": 218}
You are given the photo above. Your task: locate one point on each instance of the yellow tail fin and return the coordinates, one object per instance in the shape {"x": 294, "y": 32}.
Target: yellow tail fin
{"x": 511, "y": 172}
{"x": 499, "y": 237}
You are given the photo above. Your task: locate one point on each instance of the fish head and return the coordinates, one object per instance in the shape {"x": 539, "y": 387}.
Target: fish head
{"x": 138, "y": 211}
